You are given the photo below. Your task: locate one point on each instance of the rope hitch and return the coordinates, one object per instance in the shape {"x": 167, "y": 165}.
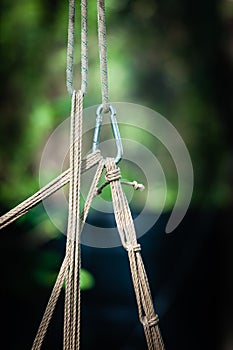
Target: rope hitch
{"x": 115, "y": 131}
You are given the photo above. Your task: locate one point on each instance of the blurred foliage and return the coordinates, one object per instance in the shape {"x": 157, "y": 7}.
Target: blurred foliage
{"x": 45, "y": 273}
{"x": 171, "y": 56}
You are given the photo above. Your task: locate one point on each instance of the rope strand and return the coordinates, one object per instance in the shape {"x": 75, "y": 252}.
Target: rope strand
{"x": 70, "y": 47}
{"x": 103, "y": 54}
{"x": 72, "y": 295}
{"x": 53, "y": 186}
{"x": 63, "y": 275}
{"x": 84, "y": 46}
{"x": 127, "y": 233}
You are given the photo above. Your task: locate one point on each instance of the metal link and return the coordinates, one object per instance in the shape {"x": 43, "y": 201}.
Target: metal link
{"x": 115, "y": 131}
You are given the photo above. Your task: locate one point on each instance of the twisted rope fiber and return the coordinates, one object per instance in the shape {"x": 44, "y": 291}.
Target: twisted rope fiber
{"x": 46, "y": 191}
{"x": 50, "y": 306}
{"x": 103, "y": 53}
{"x": 127, "y": 233}
{"x": 63, "y": 273}
{"x": 70, "y": 47}
{"x": 64, "y": 268}
{"x": 72, "y": 295}
{"x": 84, "y": 46}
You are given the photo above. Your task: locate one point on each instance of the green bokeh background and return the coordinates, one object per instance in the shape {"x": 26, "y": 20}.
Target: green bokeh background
{"x": 157, "y": 58}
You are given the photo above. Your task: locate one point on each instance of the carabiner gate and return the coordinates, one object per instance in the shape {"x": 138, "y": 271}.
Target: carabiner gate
{"x": 115, "y": 131}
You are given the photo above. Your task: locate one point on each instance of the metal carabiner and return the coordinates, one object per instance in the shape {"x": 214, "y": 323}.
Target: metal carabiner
{"x": 115, "y": 131}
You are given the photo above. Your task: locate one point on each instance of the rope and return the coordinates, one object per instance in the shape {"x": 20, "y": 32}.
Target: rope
{"x": 84, "y": 47}
{"x": 62, "y": 276}
{"x": 46, "y": 191}
{"x": 103, "y": 54}
{"x": 71, "y": 266}
{"x": 134, "y": 184}
{"x": 70, "y": 269}
{"x": 84, "y": 50}
{"x": 70, "y": 48}
{"x": 50, "y": 306}
{"x": 127, "y": 233}
{"x": 72, "y": 295}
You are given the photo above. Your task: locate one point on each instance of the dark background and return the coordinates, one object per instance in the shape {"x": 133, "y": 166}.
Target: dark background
{"x": 175, "y": 57}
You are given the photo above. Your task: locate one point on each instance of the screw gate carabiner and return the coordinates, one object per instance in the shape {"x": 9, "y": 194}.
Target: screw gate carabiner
{"x": 115, "y": 131}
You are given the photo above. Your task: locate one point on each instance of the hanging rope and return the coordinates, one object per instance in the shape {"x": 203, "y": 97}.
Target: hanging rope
{"x": 72, "y": 294}
{"x": 84, "y": 46}
{"x": 128, "y": 237}
{"x": 103, "y": 54}
{"x": 70, "y": 47}
{"x": 71, "y": 263}
{"x": 71, "y": 266}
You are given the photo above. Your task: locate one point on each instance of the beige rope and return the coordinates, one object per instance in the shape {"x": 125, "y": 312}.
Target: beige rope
{"x": 127, "y": 233}
{"x": 71, "y": 332}
{"x": 50, "y": 306}
{"x": 72, "y": 295}
{"x": 62, "y": 276}
{"x": 70, "y": 48}
{"x": 128, "y": 237}
{"x": 70, "y": 270}
{"x": 92, "y": 192}
{"x": 103, "y": 54}
{"x": 84, "y": 47}
{"x": 21, "y": 209}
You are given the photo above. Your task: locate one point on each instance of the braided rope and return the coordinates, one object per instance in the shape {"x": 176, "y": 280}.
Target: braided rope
{"x": 63, "y": 275}
{"x": 127, "y": 233}
{"x": 84, "y": 46}
{"x": 72, "y": 300}
{"x": 46, "y": 191}
{"x": 70, "y": 48}
{"x": 70, "y": 269}
{"x": 103, "y": 53}
{"x": 50, "y": 306}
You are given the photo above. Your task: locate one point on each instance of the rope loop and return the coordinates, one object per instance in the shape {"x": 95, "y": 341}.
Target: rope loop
{"x": 70, "y": 48}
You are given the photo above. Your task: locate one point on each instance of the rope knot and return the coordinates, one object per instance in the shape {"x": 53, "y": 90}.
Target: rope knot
{"x": 138, "y": 186}
{"x": 150, "y": 322}
{"x": 113, "y": 175}
{"x": 134, "y": 248}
